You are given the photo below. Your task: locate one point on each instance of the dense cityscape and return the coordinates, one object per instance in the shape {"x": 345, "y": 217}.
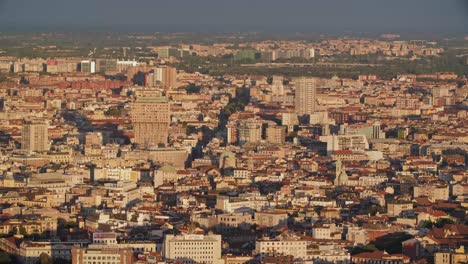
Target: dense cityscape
{"x": 233, "y": 148}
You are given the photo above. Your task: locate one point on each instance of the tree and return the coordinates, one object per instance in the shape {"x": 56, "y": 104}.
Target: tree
{"x": 113, "y": 111}
{"x": 139, "y": 78}
{"x": 427, "y": 224}
{"x": 392, "y": 242}
{"x": 374, "y": 209}
{"x": 71, "y": 224}
{"x": 193, "y": 88}
{"x": 22, "y": 231}
{"x": 45, "y": 259}
{"x": 443, "y": 221}
{"x": 5, "y": 258}
{"x": 24, "y": 80}
{"x": 365, "y": 248}
{"x": 3, "y": 78}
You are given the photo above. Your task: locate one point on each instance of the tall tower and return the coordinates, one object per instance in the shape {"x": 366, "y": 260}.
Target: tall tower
{"x": 166, "y": 76}
{"x": 305, "y": 95}
{"x": 150, "y": 119}
{"x": 277, "y": 87}
{"x": 341, "y": 177}
{"x": 35, "y": 137}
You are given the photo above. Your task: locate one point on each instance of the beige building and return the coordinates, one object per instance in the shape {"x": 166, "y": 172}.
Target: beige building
{"x": 276, "y": 134}
{"x": 102, "y": 254}
{"x": 34, "y": 137}
{"x": 271, "y": 218}
{"x": 277, "y": 87}
{"x": 164, "y": 76}
{"x": 233, "y": 221}
{"x": 191, "y": 249}
{"x": 458, "y": 256}
{"x": 150, "y": 119}
{"x": 433, "y": 192}
{"x": 284, "y": 246}
{"x": 305, "y": 100}
{"x": 250, "y": 132}
{"x": 326, "y": 231}
{"x": 398, "y": 208}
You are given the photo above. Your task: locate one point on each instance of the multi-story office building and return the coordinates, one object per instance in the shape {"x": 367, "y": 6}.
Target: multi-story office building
{"x": 345, "y": 142}
{"x": 276, "y": 134}
{"x": 102, "y": 254}
{"x": 277, "y": 87}
{"x": 250, "y": 132}
{"x": 106, "y": 65}
{"x": 164, "y": 76}
{"x": 370, "y": 130}
{"x": 35, "y": 137}
{"x": 190, "y": 249}
{"x": 88, "y": 66}
{"x": 305, "y": 100}
{"x": 232, "y": 132}
{"x": 150, "y": 119}
{"x": 167, "y": 52}
{"x": 285, "y": 246}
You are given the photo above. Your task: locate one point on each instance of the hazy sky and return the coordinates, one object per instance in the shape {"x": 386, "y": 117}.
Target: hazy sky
{"x": 427, "y": 16}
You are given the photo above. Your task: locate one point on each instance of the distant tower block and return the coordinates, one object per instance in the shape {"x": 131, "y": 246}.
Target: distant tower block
{"x": 277, "y": 87}
{"x": 150, "y": 119}
{"x": 305, "y": 99}
{"x": 34, "y": 137}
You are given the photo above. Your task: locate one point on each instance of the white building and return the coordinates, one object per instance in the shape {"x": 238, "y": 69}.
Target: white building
{"x": 345, "y": 142}
{"x": 191, "y": 249}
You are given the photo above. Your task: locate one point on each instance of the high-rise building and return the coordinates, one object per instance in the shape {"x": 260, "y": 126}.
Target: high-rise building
{"x": 276, "y": 134}
{"x": 232, "y": 132}
{"x": 193, "y": 249}
{"x": 277, "y": 87}
{"x": 167, "y": 52}
{"x": 345, "y": 142}
{"x": 106, "y": 65}
{"x": 35, "y": 137}
{"x": 290, "y": 120}
{"x": 305, "y": 101}
{"x": 370, "y": 130}
{"x": 150, "y": 119}
{"x": 88, "y": 66}
{"x": 305, "y": 95}
{"x": 164, "y": 76}
{"x": 250, "y": 132}
{"x": 167, "y": 76}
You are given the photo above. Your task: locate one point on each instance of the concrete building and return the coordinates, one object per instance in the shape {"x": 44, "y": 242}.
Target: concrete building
{"x": 433, "y": 192}
{"x": 276, "y": 134}
{"x": 285, "y": 246}
{"x": 164, "y": 76}
{"x": 150, "y": 118}
{"x": 277, "y": 87}
{"x": 400, "y": 208}
{"x": 452, "y": 257}
{"x": 34, "y": 137}
{"x": 102, "y": 254}
{"x": 370, "y": 130}
{"x": 345, "y": 142}
{"x": 191, "y": 249}
{"x": 88, "y": 66}
{"x": 233, "y": 221}
{"x": 271, "y": 218}
{"x": 326, "y": 231}
{"x": 305, "y": 100}
{"x": 250, "y": 132}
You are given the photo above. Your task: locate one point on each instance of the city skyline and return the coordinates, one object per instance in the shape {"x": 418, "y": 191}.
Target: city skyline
{"x": 233, "y": 132}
